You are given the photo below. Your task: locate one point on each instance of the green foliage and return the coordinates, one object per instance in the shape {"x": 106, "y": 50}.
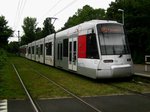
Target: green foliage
{"x": 85, "y": 14}
{"x": 137, "y": 25}
{"x": 29, "y": 28}
{"x": 3, "y": 57}
{"x": 39, "y": 33}
{"x": 5, "y": 32}
{"x": 13, "y": 47}
{"x": 78, "y": 85}
{"x": 32, "y": 32}
{"x": 48, "y": 27}
{"x": 10, "y": 86}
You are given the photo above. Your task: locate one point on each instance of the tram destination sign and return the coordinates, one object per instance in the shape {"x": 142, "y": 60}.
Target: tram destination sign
{"x": 109, "y": 28}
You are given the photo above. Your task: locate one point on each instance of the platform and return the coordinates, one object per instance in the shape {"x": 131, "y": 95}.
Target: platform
{"x": 139, "y": 70}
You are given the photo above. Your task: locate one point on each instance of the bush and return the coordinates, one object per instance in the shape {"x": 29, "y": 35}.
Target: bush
{"x": 3, "y": 57}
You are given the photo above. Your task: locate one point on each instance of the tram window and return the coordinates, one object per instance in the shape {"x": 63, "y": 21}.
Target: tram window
{"x": 70, "y": 51}
{"x": 29, "y": 51}
{"x": 74, "y": 52}
{"x": 41, "y": 49}
{"x": 58, "y": 51}
{"x": 61, "y": 51}
{"x": 65, "y": 48}
{"x": 32, "y": 49}
{"x": 36, "y": 49}
{"x": 92, "y": 50}
{"x": 49, "y": 48}
{"x": 112, "y": 39}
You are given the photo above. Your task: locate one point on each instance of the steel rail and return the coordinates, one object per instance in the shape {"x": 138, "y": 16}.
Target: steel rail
{"x": 67, "y": 91}
{"x": 141, "y": 83}
{"x": 129, "y": 90}
{"x": 36, "y": 109}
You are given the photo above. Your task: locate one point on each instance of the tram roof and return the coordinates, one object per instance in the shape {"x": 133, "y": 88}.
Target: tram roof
{"x": 83, "y": 26}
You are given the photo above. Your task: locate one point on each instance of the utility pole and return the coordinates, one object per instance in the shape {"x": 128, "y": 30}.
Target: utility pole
{"x": 121, "y": 10}
{"x": 54, "y": 19}
{"x": 19, "y": 39}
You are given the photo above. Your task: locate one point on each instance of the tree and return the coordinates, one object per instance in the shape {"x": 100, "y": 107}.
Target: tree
{"x": 39, "y": 33}
{"x": 29, "y": 28}
{"x": 85, "y": 14}
{"x": 5, "y": 32}
{"x": 13, "y": 47}
{"x": 137, "y": 25}
{"x": 48, "y": 27}
{"x": 33, "y": 33}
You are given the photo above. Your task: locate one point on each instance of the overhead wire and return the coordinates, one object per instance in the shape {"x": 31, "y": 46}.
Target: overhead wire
{"x": 50, "y": 10}
{"x": 21, "y": 6}
{"x": 53, "y": 6}
{"x": 19, "y": 12}
{"x": 60, "y": 11}
{"x": 67, "y": 6}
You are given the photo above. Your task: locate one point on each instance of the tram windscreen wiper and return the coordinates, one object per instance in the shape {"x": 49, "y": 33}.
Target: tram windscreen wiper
{"x": 120, "y": 55}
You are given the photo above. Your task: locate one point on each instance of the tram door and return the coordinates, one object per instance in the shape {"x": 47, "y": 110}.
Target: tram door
{"x": 72, "y": 54}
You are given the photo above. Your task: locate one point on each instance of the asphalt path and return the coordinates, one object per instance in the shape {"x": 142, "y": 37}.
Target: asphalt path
{"x": 115, "y": 103}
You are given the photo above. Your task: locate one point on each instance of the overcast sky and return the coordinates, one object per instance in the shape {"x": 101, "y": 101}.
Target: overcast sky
{"x": 16, "y": 10}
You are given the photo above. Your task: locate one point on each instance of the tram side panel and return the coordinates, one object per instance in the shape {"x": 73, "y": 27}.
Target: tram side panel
{"x": 37, "y": 51}
{"x": 65, "y": 55}
{"x": 62, "y": 50}
{"x": 29, "y": 51}
{"x": 74, "y": 52}
{"x": 88, "y": 56}
{"x": 23, "y": 50}
{"x": 40, "y": 50}
{"x": 49, "y": 50}
{"x": 33, "y": 50}
{"x": 26, "y": 55}
{"x": 59, "y": 51}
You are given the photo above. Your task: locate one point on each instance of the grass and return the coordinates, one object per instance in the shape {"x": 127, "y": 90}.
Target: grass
{"x": 3, "y": 57}
{"x": 79, "y": 85}
{"x": 136, "y": 87}
{"x": 40, "y": 88}
{"x": 9, "y": 85}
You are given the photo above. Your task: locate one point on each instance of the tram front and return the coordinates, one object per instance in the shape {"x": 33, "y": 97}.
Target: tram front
{"x": 115, "y": 58}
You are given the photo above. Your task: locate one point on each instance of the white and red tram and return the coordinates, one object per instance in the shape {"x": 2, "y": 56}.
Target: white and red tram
{"x": 96, "y": 49}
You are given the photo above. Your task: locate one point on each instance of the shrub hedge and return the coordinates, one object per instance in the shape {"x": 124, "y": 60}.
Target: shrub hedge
{"x": 3, "y": 57}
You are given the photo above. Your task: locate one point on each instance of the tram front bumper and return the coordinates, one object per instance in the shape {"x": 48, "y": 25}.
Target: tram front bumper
{"x": 115, "y": 71}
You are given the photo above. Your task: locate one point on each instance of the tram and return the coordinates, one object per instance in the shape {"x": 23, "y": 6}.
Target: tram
{"x": 96, "y": 49}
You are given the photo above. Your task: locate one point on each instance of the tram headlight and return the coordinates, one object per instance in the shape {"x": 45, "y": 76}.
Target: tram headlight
{"x": 129, "y": 59}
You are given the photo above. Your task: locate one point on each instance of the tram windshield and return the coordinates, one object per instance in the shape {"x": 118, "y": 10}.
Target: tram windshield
{"x": 112, "y": 39}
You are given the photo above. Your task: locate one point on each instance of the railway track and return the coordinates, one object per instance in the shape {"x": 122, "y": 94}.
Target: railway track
{"x": 140, "y": 83}
{"x": 61, "y": 86}
{"x": 131, "y": 90}
{"x": 36, "y": 105}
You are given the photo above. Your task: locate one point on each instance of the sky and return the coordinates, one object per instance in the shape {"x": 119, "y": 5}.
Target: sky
{"x": 16, "y": 10}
